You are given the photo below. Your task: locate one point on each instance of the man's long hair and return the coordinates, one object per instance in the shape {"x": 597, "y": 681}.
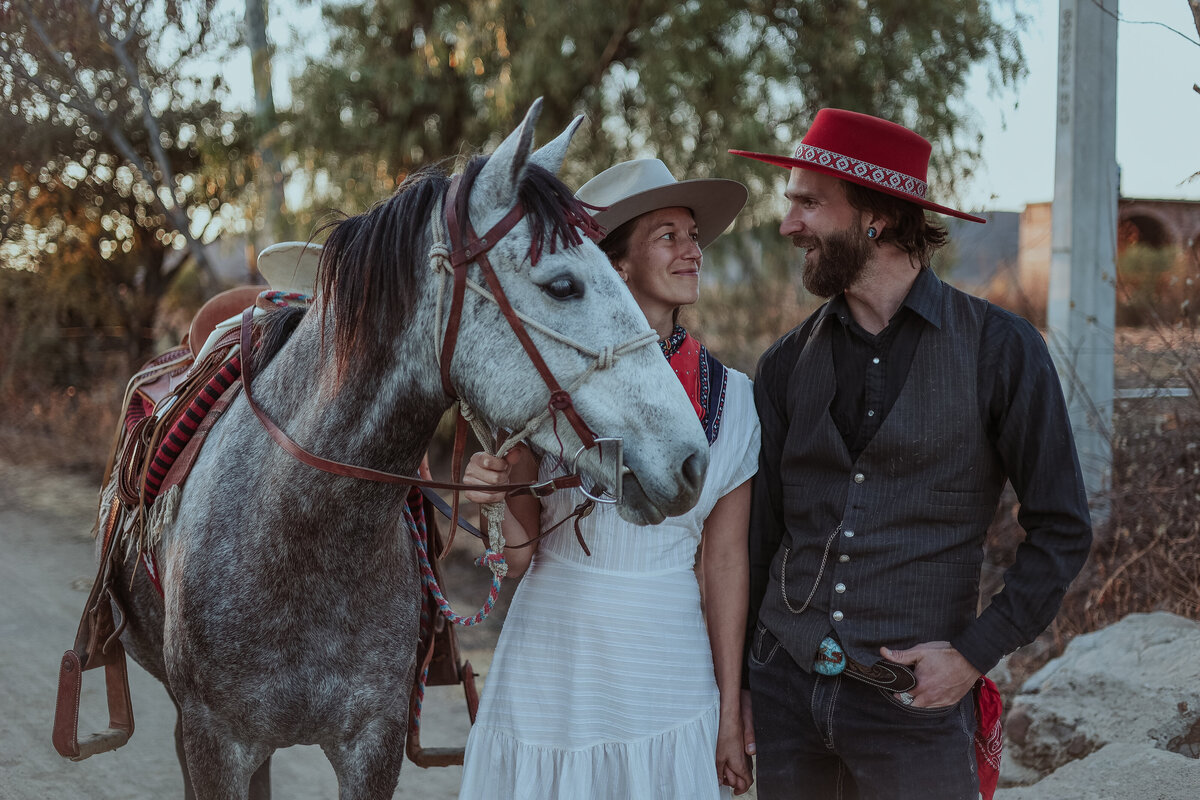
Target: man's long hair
{"x": 910, "y": 229}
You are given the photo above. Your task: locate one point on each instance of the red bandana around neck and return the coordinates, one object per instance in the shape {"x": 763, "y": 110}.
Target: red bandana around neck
{"x": 685, "y": 360}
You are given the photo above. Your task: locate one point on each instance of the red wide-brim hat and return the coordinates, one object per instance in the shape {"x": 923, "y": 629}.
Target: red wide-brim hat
{"x": 866, "y": 150}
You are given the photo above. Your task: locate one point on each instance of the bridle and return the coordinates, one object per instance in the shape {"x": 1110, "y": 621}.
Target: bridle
{"x": 470, "y": 248}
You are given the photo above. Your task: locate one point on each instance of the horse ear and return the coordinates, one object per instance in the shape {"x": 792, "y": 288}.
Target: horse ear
{"x": 551, "y": 155}
{"x": 495, "y": 189}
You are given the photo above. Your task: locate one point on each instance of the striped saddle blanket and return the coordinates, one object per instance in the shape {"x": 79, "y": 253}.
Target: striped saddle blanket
{"x": 170, "y": 406}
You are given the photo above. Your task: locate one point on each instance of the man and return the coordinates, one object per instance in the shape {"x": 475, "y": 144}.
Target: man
{"x": 890, "y": 420}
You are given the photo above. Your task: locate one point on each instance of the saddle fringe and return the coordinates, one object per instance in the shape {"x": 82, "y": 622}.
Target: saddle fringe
{"x": 161, "y": 515}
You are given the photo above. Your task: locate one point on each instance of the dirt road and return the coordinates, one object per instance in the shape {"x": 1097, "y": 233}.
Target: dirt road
{"x": 46, "y": 571}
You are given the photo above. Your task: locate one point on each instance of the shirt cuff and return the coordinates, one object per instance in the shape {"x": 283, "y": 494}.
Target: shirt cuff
{"x": 987, "y": 640}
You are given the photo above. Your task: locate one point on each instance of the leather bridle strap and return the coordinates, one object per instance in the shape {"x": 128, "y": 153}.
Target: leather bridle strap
{"x": 540, "y": 489}
{"x": 469, "y": 247}
{"x": 461, "y": 256}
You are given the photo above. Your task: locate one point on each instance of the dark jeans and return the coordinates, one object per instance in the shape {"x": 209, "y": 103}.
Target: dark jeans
{"x": 835, "y": 738}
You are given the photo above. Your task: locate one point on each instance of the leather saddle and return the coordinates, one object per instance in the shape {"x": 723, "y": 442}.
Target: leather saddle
{"x": 157, "y": 396}
{"x": 168, "y": 381}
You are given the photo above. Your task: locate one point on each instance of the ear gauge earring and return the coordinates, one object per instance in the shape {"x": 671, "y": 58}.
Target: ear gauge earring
{"x": 872, "y": 233}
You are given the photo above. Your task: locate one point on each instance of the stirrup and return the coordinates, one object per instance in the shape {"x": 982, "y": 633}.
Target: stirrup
{"x": 443, "y": 756}
{"x": 66, "y": 709}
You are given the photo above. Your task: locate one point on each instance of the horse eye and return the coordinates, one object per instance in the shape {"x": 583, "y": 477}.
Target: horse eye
{"x": 563, "y": 288}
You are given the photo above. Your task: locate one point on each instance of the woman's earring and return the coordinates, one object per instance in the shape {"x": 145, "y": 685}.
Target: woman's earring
{"x": 872, "y": 233}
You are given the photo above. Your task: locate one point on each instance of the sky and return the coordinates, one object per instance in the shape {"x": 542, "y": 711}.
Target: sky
{"x": 1158, "y": 112}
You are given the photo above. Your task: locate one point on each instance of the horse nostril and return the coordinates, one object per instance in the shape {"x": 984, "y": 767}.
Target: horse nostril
{"x": 693, "y": 471}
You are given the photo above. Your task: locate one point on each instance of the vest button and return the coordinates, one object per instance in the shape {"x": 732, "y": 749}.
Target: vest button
{"x": 848, "y": 534}
{"x": 843, "y": 558}
{"x": 840, "y": 588}
{"x": 859, "y": 477}
{"x": 838, "y": 616}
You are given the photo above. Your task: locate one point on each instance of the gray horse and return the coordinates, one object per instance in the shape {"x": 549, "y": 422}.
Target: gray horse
{"x": 292, "y": 595}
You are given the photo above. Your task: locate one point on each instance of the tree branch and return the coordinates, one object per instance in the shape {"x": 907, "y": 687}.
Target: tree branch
{"x": 49, "y": 92}
{"x": 134, "y": 23}
{"x": 612, "y": 51}
{"x": 154, "y": 136}
{"x": 112, "y": 130}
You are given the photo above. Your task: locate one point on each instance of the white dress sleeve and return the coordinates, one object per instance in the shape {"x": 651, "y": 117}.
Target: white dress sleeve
{"x": 735, "y": 453}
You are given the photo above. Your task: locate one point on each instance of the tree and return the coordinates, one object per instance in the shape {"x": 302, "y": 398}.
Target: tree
{"x": 266, "y": 132}
{"x": 411, "y": 81}
{"x": 108, "y": 172}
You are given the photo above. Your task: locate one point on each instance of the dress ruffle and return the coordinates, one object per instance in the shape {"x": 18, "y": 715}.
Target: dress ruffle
{"x": 662, "y": 767}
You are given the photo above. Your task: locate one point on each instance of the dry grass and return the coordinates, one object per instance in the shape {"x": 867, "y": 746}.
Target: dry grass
{"x": 63, "y": 429}
{"x": 1147, "y": 556}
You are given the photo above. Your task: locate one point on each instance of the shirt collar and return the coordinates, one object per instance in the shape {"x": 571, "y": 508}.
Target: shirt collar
{"x": 924, "y": 299}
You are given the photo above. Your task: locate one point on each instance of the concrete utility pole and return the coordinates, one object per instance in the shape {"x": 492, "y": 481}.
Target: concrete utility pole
{"x": 1081, "y": 308}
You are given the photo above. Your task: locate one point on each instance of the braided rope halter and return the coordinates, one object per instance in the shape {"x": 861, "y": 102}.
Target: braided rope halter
{"x": 452, "y": 264}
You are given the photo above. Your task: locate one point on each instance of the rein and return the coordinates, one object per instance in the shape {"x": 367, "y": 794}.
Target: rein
{"x": 470, "y": 248}
{"x": 289, "y": 445}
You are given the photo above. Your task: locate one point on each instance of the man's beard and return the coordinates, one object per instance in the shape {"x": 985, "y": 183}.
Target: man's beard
{"x": 840, "y": 259}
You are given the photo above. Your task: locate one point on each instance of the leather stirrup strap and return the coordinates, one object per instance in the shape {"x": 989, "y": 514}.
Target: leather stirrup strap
{"x": 96, "y": 645}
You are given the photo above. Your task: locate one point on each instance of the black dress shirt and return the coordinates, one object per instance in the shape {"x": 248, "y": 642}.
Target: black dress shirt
{"x": 1021, "y": 405}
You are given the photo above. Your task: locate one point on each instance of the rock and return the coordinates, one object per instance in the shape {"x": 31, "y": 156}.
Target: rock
{"x": 1135, "y": 682}
{"x": 1117, "y": 771}
{"x": 1002, "y": 676}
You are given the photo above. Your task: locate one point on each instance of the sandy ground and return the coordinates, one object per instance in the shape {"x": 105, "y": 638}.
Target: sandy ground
{"x": 46, "y": 571}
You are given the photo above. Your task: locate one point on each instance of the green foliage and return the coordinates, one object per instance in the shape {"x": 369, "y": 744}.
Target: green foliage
{"x": 407, "y": 82}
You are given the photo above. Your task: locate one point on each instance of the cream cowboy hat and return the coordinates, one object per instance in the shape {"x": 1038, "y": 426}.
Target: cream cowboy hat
{"x": 632, "y": 188}
{"x": 291, "y": 266}
{"x": 286, "y": 266}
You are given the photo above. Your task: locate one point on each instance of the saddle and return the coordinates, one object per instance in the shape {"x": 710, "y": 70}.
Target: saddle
{"x": 149, "y": 457}
{"x": 170, "y": 405}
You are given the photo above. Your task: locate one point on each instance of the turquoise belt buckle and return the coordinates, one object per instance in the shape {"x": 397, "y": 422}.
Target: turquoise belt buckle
{"x": 831, "y": 658}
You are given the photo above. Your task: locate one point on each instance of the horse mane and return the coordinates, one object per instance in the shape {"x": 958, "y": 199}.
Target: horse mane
{"x": 371, "y": 261}
{"x": 274, "y": 329}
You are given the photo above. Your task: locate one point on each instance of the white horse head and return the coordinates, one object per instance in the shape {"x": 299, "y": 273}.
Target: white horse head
{"x": 593, "y": 337}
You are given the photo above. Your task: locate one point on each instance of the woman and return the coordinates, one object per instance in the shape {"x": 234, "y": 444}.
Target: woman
{"x": 606, "y": 681}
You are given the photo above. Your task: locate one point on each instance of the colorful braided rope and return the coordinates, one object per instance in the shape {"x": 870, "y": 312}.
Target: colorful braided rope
{"x": 285, "y": 299}
{"x": 414, "y": 516}
{"x": 420, "y": 700}
{"x": 430, "y": 582}
{"x": 187, "y": 424}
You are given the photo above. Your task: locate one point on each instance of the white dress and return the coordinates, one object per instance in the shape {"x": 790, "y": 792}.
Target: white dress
{"x": 602, "y": 683}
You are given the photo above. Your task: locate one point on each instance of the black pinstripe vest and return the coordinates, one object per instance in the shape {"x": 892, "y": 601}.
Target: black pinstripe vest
{"x": 895, "y": 537}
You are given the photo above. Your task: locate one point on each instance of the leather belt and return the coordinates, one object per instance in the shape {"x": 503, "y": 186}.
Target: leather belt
{"x": 832, "y": 659}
